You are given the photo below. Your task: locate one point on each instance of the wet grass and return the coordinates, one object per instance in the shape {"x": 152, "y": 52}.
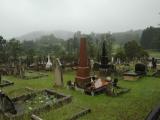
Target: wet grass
{"x": 134, "y": 105}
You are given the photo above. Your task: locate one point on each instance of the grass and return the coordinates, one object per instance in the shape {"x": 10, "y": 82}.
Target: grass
{"x": 154, "y": 53}
{"x": 134, "y": 105}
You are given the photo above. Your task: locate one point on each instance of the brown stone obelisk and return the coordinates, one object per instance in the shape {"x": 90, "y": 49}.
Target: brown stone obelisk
{"x": 83, "y": 72}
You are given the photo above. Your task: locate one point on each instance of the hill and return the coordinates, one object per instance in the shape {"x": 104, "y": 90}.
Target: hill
{"x": 123, "y": 37}
{"x": 38, "y": 34}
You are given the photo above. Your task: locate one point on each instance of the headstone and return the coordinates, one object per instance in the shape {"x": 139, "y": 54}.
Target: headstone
{"x": 83, "y": 71}
{"x": 92, "y": 65}
{"x": 140, "y": 69}
{"x": 58, "y": 73}
{"x": 112, "y": 59}
{"x": 49, "y": 63}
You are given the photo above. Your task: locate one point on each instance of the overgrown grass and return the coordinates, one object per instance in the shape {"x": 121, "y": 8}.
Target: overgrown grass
{"x": 134, "y": 105}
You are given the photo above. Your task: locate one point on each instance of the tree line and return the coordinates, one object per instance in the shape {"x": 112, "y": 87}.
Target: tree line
{"x": 150, "y": 38}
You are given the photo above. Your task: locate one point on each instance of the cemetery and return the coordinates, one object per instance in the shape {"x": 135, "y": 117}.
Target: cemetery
{"x": 85, "y": 92}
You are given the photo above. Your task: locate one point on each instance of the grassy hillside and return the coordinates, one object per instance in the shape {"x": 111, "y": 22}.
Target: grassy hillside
{"x": 134, "y": 105}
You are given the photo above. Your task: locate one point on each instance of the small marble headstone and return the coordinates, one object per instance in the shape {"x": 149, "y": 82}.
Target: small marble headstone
{"x": 112, "y": 59}
{"x": 49, "y": 63}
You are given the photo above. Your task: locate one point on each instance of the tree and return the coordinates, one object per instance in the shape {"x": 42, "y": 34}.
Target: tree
{"x": 2, "y": 50}
{"x": 150, "y": 38}
{"x": 109, "y": 40}
{"x": 131, "y": 49}
{"x": 14, "y": 50}
{"x": 120, "y": 54}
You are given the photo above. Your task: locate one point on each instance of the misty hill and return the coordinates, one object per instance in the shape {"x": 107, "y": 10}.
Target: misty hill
{"x": 38, "y": 34}
{"x": 123, "y": 37}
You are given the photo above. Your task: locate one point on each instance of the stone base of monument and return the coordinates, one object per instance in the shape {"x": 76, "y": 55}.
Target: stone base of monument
{"x": 5, "y": 83}
{"x": 32, "y": 103}
{"x": 131, "y": 76}
{"x": 107, "y": 71}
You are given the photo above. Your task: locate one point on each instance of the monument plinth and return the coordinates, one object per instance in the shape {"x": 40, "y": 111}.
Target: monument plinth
{"x": 83, "y": 71}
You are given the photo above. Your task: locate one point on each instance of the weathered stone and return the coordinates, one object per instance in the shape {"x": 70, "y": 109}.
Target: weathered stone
{"x": 58, "y": 73}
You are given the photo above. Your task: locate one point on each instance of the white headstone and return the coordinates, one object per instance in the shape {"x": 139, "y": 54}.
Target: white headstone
{"x": 49, "y": 63}
{"x": 112, "y": 59}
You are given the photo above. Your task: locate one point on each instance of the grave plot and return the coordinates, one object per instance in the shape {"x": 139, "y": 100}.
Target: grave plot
{"x": 19, "y": 91}
{"x": 33, "y": 75}
{"x": 140, "y": 70}
{"x": 67, "y": 112}
{"x": 32, "y": 103}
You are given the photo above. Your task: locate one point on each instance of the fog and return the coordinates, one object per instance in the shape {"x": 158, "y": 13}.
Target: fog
{"x": 18, "y": 17}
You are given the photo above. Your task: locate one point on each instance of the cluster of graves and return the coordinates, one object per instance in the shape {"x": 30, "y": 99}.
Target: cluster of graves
{"x": 98, "y": 82}
{"x": 25, "y": 69}
{"x": 91, "y": 77}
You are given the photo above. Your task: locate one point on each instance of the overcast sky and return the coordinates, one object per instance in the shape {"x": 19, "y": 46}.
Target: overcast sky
{"x": 18, "y": 17}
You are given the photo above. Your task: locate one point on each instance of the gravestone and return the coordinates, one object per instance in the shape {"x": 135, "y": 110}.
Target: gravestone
{"x": 112, "y": 60}
{"x": 83, "y": 71}
{"x": 49, "y": 64}
{"x": 105, "y": 67}
{"x": 58, "y": 73}
{"x": 140, "y": 69}
{"x": 92, "y": 65}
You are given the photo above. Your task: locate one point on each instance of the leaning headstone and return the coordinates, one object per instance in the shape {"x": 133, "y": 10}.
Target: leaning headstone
{"x": 58, "y": 73}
